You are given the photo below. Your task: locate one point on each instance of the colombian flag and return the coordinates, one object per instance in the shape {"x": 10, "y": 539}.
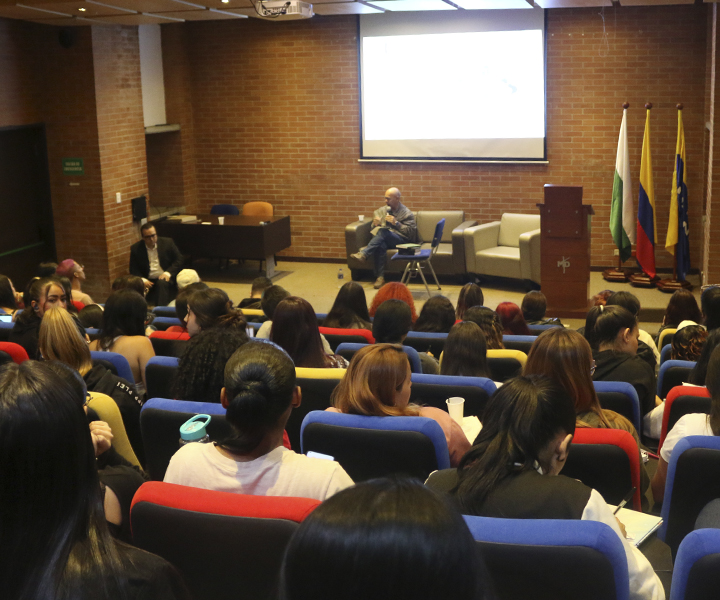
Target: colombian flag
{"x": 622, "y": 213}
{"x": 646, "y": 229}
{"x": 677, "y": 241}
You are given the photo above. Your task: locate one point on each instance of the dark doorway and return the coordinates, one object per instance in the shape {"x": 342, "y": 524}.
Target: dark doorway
{"x": 27, "y": 230}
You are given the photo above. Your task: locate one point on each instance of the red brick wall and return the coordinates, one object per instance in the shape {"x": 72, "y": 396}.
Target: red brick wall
{"x": 275, "y": 117}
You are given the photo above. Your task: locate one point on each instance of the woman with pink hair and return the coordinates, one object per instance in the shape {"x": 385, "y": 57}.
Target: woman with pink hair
{"x": 512, "y": 319}
{"x": 394, "y": 290}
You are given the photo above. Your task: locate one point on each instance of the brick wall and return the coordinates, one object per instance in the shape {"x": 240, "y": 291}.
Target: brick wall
{"x": 711, "y": 250}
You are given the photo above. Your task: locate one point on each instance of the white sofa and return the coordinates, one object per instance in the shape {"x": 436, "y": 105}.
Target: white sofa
{"x": 506, "y": 248}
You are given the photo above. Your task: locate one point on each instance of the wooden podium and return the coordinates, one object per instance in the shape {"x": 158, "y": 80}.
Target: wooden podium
{"x": 565, "y": 251}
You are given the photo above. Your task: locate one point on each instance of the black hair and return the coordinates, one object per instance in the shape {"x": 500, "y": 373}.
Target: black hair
{"x": 91, "y": 316}
{"x": 181, "y": 299}
{"x": 520, "y": 420}
{"x": 393, "y": 319}
{"x": 383, "y": 539}
{"x": 609, "y": 321}
{"x": 71, "y": 377}
{"x": 687, "y": 343}
{"x": 710, "y": 304}
{"x": 201, "y": 370}
{"x": 125, "y": 314}
{"x": 67, "y": 287}
{"x": 271, "y": 298}
{"x": 212, "y": 308}
{"x": 627, "y": 300}
{"x": 470, "y": 295}
{"x": 132, "y": 282}
{"x": 295, "y": 330}
{"x": 260, "y": 284}
{"x": 713, "y": 386}
{"x": 437, "y": 316}
{"x": 7, "y": 298}
{"x": 465, "y": 351}
{"x": 259, "y": 383}
{"x": 146, "y": 226}
{"x": 489, "y": 321}
{"x": 699, "y": 373}
{"x": 34, "y": 290}
{"x": 47, "y": 269}
{"x": 349, "y": 309}
{"x": 534, "y": 306}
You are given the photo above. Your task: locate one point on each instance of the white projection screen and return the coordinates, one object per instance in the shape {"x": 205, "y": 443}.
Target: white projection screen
{"x": 460, "y": 85}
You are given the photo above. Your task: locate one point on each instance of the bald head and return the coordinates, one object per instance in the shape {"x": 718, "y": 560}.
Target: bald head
{"x": 392, "y": 197}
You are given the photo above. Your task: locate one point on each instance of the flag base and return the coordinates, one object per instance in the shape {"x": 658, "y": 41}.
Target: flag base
{"x": 643, "y": 280}
{"x": 672, "y": 285}
{"x": 616, "y": 275}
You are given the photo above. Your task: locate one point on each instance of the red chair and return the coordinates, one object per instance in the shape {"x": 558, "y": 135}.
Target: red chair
{"x": 16, "y": 351}
{"x": 170, "y": 335}
{"x": 336, "y": 336}
{"x": 692, "y": 399}
{"x": 227, "y": 546}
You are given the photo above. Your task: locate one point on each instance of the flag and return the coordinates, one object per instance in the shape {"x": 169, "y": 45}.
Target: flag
{"x": 677, "y": 241}
{"x": 622, "y": 214}
{"x": 646, "y": 229}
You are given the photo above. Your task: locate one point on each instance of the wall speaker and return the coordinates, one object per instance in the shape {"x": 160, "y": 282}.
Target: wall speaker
{"x": 139, "y": 208}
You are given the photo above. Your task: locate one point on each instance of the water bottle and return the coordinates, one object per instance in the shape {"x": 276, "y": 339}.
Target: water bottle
{"x": 341, "y": 278}
{"x": 194, "y": 430}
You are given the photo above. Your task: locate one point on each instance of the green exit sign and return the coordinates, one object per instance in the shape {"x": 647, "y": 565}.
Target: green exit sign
{"x": 73, "y": 166}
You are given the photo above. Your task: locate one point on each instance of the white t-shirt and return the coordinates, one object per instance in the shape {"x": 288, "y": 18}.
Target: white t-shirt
{"x": 644, "y": 336}
{"x": 692, "y": 424}
{"x": 280, "y": 472}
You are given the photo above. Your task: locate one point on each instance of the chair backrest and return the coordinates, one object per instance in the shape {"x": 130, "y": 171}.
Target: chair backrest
{"x": 505, "y": 364}
{"x": 693, "y": 479}
{"x": 427, "y": 222}
{"x": 512, "y": 226}
{"x": 160, "y": 374}
{"x": 257, "y": 209}
{"x": 16, "y": 351}
{"x": 683, "y": 400}
{"x": 121, "y": 364}
{"x": 171, "y": 344}
{"x": 369, "y": 447}
{"x": 316, "y": 394}
{"x": 666, "y": 337}
{"x": 225, "y": 545}
{"x": 165, "y": 311}
{"x": 519, "y": 342}
{"x": 348, "y": 350}
{"x": 426, "y": 342}
{"x": 108, "y": 411}
{"x": 224, "y": 209}
{"x": 538, "y": 329}
{"x": 162, "y": 323}
{"x": 336, "y": 336}
{"x": 696, "y": 572}
{"x": 523, "y": 557}
{"x": 437, "y": 238}
{"x": 5, "y": 329}
{"x": 160, "y": 421}
{"x": 621, "y": 397}
{"x": 665, "y": 353}
{"x": 673, "y": 373}
{"x": 433, "y": 390}
{"x": 606, "y": 460}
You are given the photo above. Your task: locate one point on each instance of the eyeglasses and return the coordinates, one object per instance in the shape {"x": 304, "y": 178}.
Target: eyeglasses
{"x": 593, "y": 366}
{"x": 149, "y": 237}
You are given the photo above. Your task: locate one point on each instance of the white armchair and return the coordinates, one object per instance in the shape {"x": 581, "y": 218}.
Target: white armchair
{"x": 506, "y": 248}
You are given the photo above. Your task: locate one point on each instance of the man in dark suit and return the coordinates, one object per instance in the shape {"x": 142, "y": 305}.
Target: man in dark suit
{"x": 157, "y": 261}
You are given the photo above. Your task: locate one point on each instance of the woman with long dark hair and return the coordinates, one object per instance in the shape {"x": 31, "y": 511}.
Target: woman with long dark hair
{"x": 436, "y": 316}
{"x": 489, "y": 321}
{"x": 470, "y": 295}
{"x": 209, "y": 308}
{"x": 349, "y": 311}
{"x": 465, "y": 351}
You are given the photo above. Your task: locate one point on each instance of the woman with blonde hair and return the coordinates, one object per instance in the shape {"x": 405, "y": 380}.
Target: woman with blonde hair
{"x": 377, "y": 383}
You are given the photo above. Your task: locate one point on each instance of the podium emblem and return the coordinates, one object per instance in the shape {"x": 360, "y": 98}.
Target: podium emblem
{"x": 564, "y": 263}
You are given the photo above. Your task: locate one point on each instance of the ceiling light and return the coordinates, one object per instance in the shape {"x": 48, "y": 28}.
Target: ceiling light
{"x": 81, "y": 9}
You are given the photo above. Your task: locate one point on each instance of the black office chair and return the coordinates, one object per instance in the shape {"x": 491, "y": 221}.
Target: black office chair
{"x": 160, "y": 375}
{"x": 315, "y": 396}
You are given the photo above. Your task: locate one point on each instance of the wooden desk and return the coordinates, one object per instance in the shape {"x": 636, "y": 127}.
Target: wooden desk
{"x": 238, "y": 237}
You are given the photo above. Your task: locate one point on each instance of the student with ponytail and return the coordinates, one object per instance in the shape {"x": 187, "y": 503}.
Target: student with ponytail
{"x": 259, "y": 394}
{"x": 211, "y": 308}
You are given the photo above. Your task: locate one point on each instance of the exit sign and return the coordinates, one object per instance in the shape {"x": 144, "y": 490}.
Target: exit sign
{"x": 73, "y": 166}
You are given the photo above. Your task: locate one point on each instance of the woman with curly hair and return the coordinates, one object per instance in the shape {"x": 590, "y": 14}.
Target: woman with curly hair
{"x": 437, "y": 316}
{"x": 489, "y": 321}
{"x": 470, "y": 295}
{"x": 688, "y": 342}
{"x": 512, "y": 319}
{"x": 397, "y": 291}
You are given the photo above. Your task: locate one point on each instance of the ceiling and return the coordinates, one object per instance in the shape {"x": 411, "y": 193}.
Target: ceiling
{"x": 141, "y": 12}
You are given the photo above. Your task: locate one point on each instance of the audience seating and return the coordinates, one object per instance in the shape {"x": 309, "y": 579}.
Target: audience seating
{"x": 420, "y": 257}
{"x": 160, "y": 421}
{"x": 683, "y": 400}
{"x": 434, "y": 390}
{"x": 696, "y": 572}
{"x": 107, "y": 409}
{"x": 5, "y": 358}
{"x": 509, "y": 247}
{"x": 121, "y": 364}
{"x": 224, "y": 209}
{"x": 160, "y": 374}
{"x": 226, "y": 546}
{"x": 621, "y": 397}
{"x": 162, "y": 323}
{"x": 552, "y": 559}
{"x": 606, "y": 460}
{"x": 673, "y": 373}
{"x": 257, "y": 209}
{"x": 348, "y": 350}
{"x": 666, "y": 337}
{"x": 426, "y": 342}
{"x": 505, "y": 364}
{"x": 5, "y": 329}
{"x": 665, "y": 353}
{"x": 693, "y": 479}
{"x": 369, "y": 447}
{"x": 93, "y": 333}
{"x": 538, "y": 329}
{"x": 165, "y": 311}
{"x": 336, "y": 336}
{"x": 16, "y": 351}
{"x": 166, "y": 343}
{"x": 519, "y": 342}
{"x": 450, "y": 256}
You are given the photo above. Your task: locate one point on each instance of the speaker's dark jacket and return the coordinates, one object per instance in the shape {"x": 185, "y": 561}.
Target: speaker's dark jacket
{"x": 170, "y": 258}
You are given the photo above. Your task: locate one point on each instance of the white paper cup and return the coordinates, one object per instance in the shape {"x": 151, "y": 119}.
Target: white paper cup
{"x": 361, "y": 217}
{"x": 221, "y": 220}
{"x": 455, "y": 408}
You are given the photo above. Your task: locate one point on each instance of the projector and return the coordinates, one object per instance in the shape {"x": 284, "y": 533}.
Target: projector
{"x": 287, "y": 10}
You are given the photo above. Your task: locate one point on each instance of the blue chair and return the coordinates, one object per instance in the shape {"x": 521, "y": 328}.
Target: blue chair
{"x": 165, "y": 311}
{"x": 696, "y": 572}
{"x": 423, "y": 256}
{"x": 665, "y": 353}
{"x": 255, "y": 326}
{"x": 433, "y": 390}
{"x": 163, "y": 323}
{"x": 121, "y": 364}
{"x": 538, "y": 329}
{"x": 672, "y": 373}
{"x": 621, "y": 397}
{"x": 224, "y": 209}
{"x": 369, "y": 447}
{"x": 519, "y": 342}
{"x": 426, "y": 342}
{"x": 693, "y": 479}
{"x": 523, "y": 557}
{"x": 348, "y": 350}
{"x": 160, "y": 421}
{"x": 160, "y": 373}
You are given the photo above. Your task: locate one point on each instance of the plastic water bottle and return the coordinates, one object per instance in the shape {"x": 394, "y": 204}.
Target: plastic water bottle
{"x": 341, "y": 278}
{"x": 193, "y": 430}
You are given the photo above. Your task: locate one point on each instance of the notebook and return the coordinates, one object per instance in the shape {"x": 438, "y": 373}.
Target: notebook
{"x": 639, "y": 526}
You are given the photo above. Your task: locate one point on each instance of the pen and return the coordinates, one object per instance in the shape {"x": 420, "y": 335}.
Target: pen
{"x": 625, "y": 500}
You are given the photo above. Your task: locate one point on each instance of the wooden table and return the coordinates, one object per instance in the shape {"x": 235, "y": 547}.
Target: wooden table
{"x": 255, "y": 238}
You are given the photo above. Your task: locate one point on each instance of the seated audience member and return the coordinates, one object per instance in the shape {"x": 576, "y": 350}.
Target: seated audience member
{"x": 470, "y": 295}
{"x": 688, "y": 342}
{"x": 489, "y": 321}
{"x": 270, "y": 299}
{"x": 123, "y": 331}
{"x": 513, "y": 470}
{"x": 512, "y": 319}
{"x": 534, "y": 305}
{"x": 76, "y": 274}
{"x": 691, "y": 424}
{"x": 9, "y": 298}
{"x": 259, "y": 285}
{"x": 699, "y": 372}
{"x": 465, "y": 352}
{"x": 40, "y": 295}
{"x": 91, "y": 316}
{"x": 384, "y": 539}
{"x": 349, "y": 311}
{"x": 132, "y": 282}
{"x": 392, "y": 322}
{"x": 259, "y": 394}
{"x": 647, "y": 350}
{"x": 210, "y": 308}
{"x": 157, "y": 260}
{"x": 377, "y": 384}
{"x": 73, "y": 306}
{"x": 681, "y": 307}
{"x": 201, "y": 369}
{"x": 615, "y": 331}
{"x": 295, "y": 330}
{"x": 56, "y": 543}
{"x": 396, "y": 291}
{"x": 710, "y": 304}
{"x": 181, "y": 305}
{"x": 61, "y": 340}
{"x": 185, "y": 278}
{"x": 47, "y": 269}
{"x": 437, "y": 316}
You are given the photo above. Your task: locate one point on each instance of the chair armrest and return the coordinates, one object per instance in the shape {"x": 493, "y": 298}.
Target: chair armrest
{"x": 458, "y": 246}
{"x": 357, "y": 235}
{"x": 479, "y": 237}
{"x": 530, "y": 255}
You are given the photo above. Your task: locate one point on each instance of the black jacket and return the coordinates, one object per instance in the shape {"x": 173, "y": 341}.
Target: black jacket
{"x": 170, "y": 258}
{"x": 26, "y": 335}
{"x": 620, "y": 366}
